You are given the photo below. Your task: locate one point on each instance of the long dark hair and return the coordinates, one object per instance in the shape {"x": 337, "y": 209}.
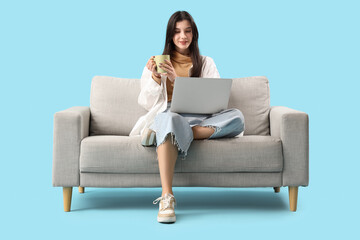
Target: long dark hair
{"x": 193, "y": 48}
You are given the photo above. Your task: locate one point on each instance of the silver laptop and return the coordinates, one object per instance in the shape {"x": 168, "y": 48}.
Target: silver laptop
{"x": 200, "y": 95}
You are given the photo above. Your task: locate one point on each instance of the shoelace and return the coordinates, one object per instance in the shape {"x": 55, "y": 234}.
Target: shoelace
{"x": 166, "y": 201}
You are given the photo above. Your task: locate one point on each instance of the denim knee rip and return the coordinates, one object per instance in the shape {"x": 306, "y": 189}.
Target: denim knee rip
{"x": 216, "y": 129}
{"x": 174, "y": 142}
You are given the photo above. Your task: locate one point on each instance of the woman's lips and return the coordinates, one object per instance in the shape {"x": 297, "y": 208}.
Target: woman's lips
{"x": 183, "y": 43}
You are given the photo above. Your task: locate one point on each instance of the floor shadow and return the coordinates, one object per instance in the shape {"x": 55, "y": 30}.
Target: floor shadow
{"x": 187, "y": 200}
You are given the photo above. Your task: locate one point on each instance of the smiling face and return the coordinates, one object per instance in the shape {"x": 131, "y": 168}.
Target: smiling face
{"x": 183, "y": 37}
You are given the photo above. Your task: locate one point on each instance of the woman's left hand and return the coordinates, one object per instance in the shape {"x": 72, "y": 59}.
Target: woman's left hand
{"x": 170, "y": 71}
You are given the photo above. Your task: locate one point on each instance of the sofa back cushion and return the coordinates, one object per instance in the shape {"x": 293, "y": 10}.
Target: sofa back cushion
{"x": 113, "y": 105}
{"x": 251, "y": 95}
{"x": 114, "y": 108}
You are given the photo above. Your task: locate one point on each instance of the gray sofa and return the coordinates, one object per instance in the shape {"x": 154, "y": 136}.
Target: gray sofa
{"x": 92, "y": 146}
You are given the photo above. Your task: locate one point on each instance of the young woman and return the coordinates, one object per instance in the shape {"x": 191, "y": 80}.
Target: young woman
{"x": 171, "y": 132}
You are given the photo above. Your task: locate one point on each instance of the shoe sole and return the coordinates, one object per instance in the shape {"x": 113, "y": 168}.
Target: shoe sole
{"x": 149, "y": 140}
{"x": 166, "y": 219}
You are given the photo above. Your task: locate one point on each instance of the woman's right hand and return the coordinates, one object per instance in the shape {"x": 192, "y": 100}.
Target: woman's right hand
{"x": 151, "y": 65}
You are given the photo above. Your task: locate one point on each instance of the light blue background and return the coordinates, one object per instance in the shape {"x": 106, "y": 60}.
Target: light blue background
{"x": 50, "y": 50}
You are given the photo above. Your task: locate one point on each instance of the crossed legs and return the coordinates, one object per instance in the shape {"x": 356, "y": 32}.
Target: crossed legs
{"x": 167, "y": 155}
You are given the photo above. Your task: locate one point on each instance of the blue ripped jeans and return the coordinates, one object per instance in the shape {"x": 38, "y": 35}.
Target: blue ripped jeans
{"x": 227, "y": 123}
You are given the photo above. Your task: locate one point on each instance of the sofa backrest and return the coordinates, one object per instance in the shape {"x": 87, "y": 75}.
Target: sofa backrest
{"x": 114, "y": 109}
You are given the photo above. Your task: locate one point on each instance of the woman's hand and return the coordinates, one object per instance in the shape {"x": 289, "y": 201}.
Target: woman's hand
{"x": 151, "y": 65}
{"x": 170, "y": 71}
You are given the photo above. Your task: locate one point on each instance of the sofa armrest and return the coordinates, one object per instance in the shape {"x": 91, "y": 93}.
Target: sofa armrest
{"x": 70, "y": 127}
{"x": 292, "y": 127}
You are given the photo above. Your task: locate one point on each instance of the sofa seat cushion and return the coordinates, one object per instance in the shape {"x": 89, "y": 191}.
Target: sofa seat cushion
{"x": 240, "y": 154}
{"x": 117, "y": 154}
{"x": 124, "y": 154}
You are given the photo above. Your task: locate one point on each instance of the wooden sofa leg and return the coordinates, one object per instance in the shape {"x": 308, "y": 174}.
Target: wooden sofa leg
{"x": 67, "y": 193}
{"x": 277, "y": 189}
{"x": 81, "y": 189}
{"x": 293, "y": 194}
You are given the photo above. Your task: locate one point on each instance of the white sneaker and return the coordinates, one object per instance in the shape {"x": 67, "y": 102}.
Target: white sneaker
{"x": 166, "y": 208}
{"x": 148, "y": 137}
